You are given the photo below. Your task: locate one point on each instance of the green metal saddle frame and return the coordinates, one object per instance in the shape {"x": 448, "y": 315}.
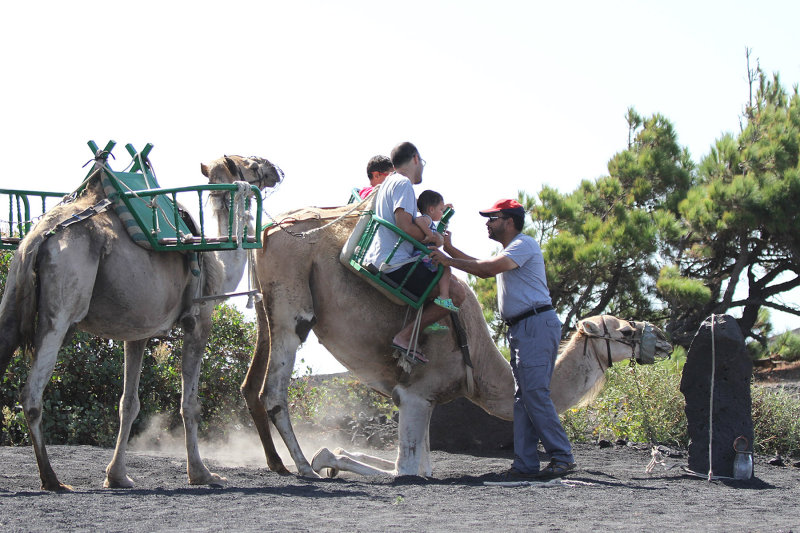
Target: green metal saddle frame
{"x": 21, "y": 211}
{"x": 152, "y": 215}
{"x": 354, "y": 252}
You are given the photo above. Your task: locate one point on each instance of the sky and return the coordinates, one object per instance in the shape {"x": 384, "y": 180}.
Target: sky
{"x": 498, "y": 96}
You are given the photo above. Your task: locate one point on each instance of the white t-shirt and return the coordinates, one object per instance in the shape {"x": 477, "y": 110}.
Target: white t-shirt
{"x": 395, "y": 192}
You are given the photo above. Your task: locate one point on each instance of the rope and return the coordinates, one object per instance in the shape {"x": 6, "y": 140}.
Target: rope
{"x": 711, "y": 398}
{"x": 239, "y": 211}
{"x": 304, "y": 234}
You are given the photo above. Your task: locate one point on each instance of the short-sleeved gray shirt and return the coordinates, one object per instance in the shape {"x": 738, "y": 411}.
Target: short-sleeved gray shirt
{"x": 395, "y": 192}
{"x": 525, "y": 287}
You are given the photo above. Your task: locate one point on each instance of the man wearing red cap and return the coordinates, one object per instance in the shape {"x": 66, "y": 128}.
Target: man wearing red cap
{"x": 533, "y": 335}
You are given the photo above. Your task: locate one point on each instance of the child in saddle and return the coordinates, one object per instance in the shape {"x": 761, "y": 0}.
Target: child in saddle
{"x": 431, "y": 207}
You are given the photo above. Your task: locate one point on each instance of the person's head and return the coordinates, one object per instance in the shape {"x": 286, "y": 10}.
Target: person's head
{"x": 506, "y": 218}
{"x": 378, "y": 167}
{"x": 431, "y": 203}
{"x": 408, "y": 162}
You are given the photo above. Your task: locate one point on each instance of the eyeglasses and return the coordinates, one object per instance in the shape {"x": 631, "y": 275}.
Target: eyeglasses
{"x": 421, "y": 161}
{"x": 492, "y": 219}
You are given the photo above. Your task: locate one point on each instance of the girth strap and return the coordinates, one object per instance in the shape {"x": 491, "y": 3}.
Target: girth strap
{"x": 461, "y": 336}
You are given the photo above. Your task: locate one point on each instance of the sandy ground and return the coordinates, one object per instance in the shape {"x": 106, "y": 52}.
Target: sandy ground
{"x": 610, "y": 491}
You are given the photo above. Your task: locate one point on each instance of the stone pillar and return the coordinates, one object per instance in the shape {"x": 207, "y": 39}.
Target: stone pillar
{"x": 732, "y": 409}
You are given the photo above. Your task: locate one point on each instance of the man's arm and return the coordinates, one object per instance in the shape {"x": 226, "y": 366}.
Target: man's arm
{"x": 405, "y": 222}
{"x": 483, "y": 268}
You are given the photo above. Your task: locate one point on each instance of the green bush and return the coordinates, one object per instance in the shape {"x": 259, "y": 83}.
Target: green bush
{"x": 776, "y": 421}
{"x": 81, "y": 401}
{"x": 787, "y": 346}
{"x": 645, "y": 404}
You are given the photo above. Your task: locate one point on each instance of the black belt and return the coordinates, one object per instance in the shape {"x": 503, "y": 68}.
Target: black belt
{"x": 513, "y": 320}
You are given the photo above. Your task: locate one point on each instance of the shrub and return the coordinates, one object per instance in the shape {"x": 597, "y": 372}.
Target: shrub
{"x": 646, "y": 404}
{"x": 776, "y": 421}
{"x": 81, "y": 401}
{"x": 787, "y": 346}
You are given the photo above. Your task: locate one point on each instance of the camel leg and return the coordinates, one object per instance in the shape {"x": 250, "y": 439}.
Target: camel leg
{"x": 251, "y": 389}
{"x": 415, "y": 414}
{"x": 44, "y": 361}
{"x": 379, "y": 462}
{"x": 425, "y": 468}
{"x": 116, "y": 472}
{"x": 194, "y": 344}
{"x": 66, "y": 279}
{"x": 341, "y": 460}
{"x": 275, "y": 396}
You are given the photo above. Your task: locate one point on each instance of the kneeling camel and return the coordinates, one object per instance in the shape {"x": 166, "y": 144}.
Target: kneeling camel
{"x": 306, "y": 288}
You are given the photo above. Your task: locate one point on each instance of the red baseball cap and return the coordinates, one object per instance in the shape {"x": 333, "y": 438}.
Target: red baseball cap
{"x": 507, "y": 206}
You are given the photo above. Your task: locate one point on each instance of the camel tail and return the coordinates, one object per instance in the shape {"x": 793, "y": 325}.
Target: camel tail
{"x": 21, "y": 289}
{"x": 18, "y": 309}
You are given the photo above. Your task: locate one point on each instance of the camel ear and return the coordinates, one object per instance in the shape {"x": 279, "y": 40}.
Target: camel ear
{"x": 231, "y": 166}
{"x": 588, "y": 326}
{"x": 204, "y": 170}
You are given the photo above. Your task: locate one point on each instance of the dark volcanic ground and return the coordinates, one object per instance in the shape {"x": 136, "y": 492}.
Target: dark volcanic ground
{"x": 609, "y": 491}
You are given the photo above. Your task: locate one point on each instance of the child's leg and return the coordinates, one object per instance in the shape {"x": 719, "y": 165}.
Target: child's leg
{"x": 444, "y": 284}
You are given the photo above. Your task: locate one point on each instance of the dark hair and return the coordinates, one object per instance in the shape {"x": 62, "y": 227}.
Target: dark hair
{"x": 379, "y": 163}
{"x": 519, "y": 221}
{"x": 428, "y": 199}
{"x": 403, "y": 153}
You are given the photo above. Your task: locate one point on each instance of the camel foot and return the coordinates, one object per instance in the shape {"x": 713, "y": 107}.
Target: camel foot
{"x": 57, "y": 487}
{"x": 125, "y": 483}
{"x": 321, "y": 461}
{"x": 307, "y": 471}
{"x": 214, "y": 480}
{"x": 281, "y": 470}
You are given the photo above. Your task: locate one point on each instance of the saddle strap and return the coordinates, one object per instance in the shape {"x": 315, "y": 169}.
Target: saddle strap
{"x": 99, "y": 207}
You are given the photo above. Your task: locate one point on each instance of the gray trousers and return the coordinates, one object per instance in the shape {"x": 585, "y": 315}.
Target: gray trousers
{"x": 534, "y": 346}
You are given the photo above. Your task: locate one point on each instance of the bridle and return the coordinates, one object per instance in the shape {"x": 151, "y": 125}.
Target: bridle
{"x": 262, "y": 176}
{"x": 644, "y": 335}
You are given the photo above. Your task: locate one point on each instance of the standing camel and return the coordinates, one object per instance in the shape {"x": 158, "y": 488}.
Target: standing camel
{"x": 305, "y": 287}
{"x": 91, "y": 276}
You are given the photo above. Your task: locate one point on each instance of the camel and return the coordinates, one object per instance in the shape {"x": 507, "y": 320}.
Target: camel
{"x": 91, "y": 276}
{"x": 305, "y": 288}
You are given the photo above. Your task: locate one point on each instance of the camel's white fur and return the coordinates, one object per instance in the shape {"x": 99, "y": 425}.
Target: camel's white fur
{"x": 91, "y": 276}
{"x": 305, "y": 287}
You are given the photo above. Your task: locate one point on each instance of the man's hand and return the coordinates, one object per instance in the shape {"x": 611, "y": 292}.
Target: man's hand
{"x": 436, "y": 239}
{"x": 438, "y": 257}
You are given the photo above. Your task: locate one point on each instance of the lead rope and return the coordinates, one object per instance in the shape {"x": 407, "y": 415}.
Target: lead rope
{"x": 711, "y": 399}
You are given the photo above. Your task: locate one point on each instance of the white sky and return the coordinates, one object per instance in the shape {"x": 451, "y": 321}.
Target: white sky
{"x": 498, "y": 96}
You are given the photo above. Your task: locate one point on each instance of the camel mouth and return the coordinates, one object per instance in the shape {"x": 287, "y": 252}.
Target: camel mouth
{"x": 266, "y": 174}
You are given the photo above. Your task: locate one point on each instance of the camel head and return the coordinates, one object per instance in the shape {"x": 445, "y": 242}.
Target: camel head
{"x": 254, "y": 170}
{"x": 624, "y": 339}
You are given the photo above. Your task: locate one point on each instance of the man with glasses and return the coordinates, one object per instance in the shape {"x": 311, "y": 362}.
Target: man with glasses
{"x": 397, "y": 204}
{"x": 533, "y": 335}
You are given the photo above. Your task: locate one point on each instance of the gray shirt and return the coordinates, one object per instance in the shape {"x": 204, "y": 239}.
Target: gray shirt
{"x": 525, "y": 287}
{"x": 395, "y": 192}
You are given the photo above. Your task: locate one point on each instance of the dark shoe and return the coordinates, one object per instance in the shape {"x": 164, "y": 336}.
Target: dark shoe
{"x": 512, "y": 474}
{"x": 555, "y": 469}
